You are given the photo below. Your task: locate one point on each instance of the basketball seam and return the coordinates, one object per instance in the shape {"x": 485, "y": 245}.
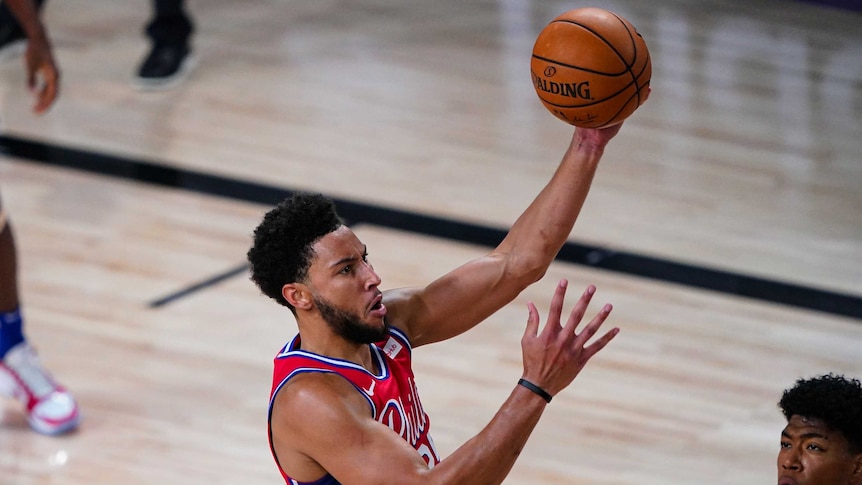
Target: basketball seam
{"x": 597, "y": 101}
{"x": 628, "y": 68}
{"x": 605, "y": 41}
{"x": 635, "y": 77}
{"x": 636, "y": 94}
{"x": 614, "y": 117}
{"x": 579, "y": 68}
{"x": 634, "y": 60}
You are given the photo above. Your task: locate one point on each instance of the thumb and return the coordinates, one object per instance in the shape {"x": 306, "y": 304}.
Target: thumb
{"x": 532, "y": 329}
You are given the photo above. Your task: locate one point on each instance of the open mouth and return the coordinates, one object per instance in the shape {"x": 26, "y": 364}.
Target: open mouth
{"x": 377, "y": 308}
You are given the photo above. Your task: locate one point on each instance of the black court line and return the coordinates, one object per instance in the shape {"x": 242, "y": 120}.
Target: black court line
{"x": 160, "y": 302}
{"x": 597, "y": 257}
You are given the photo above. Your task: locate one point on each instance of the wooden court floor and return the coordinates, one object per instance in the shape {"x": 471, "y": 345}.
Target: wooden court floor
{"x": 746, "y": 160}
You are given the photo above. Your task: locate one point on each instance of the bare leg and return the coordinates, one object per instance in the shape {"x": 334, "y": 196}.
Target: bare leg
{"x": 10, "y": 324}
{"x": 8, "y": 271}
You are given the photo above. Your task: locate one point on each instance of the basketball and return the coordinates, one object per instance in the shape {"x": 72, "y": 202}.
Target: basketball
{"x": 591, "y": 68}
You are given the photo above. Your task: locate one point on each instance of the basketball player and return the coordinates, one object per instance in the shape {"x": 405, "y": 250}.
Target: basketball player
{"x": 168, "y": 62}
{"x": 344, "y": 383}
{"x": 170, "y": 59}
{"x": 50, "y": 408}
{"x": 43, "y": 75}
{"x": 822, "y": 442}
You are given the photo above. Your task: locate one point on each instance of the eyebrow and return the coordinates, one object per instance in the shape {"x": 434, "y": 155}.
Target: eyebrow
{"x": 805, "y": 435}
{"x": 349, "y": 259}
{"x": 342, "y": 261}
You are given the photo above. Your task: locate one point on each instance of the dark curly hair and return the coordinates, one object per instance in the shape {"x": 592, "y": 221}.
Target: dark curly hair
{"x": 834, "y": 399}
{"x": 281, "y": 252}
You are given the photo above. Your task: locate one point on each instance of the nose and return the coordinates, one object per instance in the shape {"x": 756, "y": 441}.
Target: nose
{"x": 788, "y": 459}
{"x": 372, "y": 279}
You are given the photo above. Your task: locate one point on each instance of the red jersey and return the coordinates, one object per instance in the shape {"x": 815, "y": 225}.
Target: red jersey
{"x": 392, "y": 396}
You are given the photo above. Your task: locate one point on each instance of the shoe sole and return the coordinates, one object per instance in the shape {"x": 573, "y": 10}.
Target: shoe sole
{"x": 9, "y": 387}
{"x": 164, "y": 83}
{"x": 54, "y": 429}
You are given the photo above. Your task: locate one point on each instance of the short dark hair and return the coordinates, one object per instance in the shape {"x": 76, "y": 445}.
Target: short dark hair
{"x": 281, "y": 252}
{"x": 834, "y": 399}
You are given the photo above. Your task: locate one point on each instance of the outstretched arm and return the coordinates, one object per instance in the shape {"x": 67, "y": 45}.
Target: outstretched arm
{"x": 43, "y": 75}
{"x": 464, "y": 297}
{"x": 322, "y": 424}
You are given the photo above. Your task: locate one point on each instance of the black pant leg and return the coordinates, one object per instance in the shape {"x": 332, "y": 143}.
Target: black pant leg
{"x": 9, "y": 26}
{"x": 170, "y": 23}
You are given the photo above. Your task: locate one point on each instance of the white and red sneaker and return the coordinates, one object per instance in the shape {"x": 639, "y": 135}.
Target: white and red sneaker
{"x": 50, "y": 408}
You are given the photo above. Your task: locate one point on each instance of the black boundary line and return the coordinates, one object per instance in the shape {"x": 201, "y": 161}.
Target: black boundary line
{"x": 355, "y": 212}
{"x": 160, "y": 302}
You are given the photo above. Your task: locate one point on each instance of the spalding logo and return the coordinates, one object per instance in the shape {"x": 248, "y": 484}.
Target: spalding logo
{"x": 569, "y": 90}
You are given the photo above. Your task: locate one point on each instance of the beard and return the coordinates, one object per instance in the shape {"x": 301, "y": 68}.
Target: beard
{"x": 348, "y": 325}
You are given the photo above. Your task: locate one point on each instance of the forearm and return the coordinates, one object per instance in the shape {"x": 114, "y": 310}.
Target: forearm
{"x": 466, "y": 296}
{"x": 488, "y": 457}
{"x": 540, "y": 232}
{"x": 27, "y": 15}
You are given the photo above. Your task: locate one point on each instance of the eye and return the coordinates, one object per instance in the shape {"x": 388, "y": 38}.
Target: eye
{"x": 814, "y": 447}
{"x": 346, "y": 269}
{"x": 785, "y": 445}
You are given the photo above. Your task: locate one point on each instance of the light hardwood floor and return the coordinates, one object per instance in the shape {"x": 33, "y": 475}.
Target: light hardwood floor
{"x": 745, "y": 159}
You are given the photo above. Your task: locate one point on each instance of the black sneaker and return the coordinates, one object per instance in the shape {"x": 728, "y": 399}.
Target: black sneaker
{"x": 165, "y": 67}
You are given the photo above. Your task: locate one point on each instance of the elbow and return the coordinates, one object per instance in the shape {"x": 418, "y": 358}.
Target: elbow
{"x": 527, "y": 263}
{"x": 528, "y": 270}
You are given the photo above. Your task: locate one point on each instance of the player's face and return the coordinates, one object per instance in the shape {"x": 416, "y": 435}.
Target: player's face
{"x": 349, "y": 325}
{"x": 813, "y": 454}
{"x": 346, "y": 287}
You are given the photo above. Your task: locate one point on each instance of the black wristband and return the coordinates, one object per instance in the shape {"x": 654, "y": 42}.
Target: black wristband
{"x": 538, "y": 390}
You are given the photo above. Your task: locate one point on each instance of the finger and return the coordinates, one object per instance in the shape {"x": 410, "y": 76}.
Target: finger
{"x": 43, "y": 99}
{"x": 579, "y": 309}
{"x": 532, "y": 321}
{"x": 48, "y": 95}
{"x": 599, "y": 344}
{"x": 594, "y": 325}
{"x": 645, "y": 96}
{"x": 556, "y": 309}
{"x": 45, "y": 86}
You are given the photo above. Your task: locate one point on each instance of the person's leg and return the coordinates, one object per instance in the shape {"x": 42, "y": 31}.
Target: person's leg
{"x": 170, "y": 57}
{"x": 12, "y": 37}
{"x": 170, "y": 23}
{"x": 10, "y": 335}
{"x": 50, "y": 408}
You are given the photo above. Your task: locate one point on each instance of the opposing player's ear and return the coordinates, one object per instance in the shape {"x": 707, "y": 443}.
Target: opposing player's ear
{"x": 857, "y": 470}
{"x": 297, "y": 295}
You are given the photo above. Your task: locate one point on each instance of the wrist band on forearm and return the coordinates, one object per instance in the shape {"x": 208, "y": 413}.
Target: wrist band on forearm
{"x": 538, "y": 390}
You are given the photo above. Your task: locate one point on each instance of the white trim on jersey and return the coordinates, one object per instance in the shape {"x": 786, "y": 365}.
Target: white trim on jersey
{"x": 302, "y": 370}
{"x": 375, "y": 352}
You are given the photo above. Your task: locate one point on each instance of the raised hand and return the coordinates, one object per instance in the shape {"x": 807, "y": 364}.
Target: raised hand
{"x": 554, "y": 357}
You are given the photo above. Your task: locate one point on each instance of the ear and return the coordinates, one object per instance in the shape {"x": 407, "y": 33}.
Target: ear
{"x": 297, "y": 295}
{"x": 857, "y": 469}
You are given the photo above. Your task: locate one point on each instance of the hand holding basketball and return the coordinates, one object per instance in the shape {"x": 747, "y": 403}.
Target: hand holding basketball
{"x": 591, "y": 68}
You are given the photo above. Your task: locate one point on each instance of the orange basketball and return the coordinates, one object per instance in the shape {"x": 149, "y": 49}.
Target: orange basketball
{"x": 591, "y": 68}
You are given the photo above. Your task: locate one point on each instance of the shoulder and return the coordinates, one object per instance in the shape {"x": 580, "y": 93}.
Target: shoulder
{"x": 403, "y": 308}
{"x": 315, "y": 394}
{"x": 302, "y": 408}
{"x": 309, "y": 403}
